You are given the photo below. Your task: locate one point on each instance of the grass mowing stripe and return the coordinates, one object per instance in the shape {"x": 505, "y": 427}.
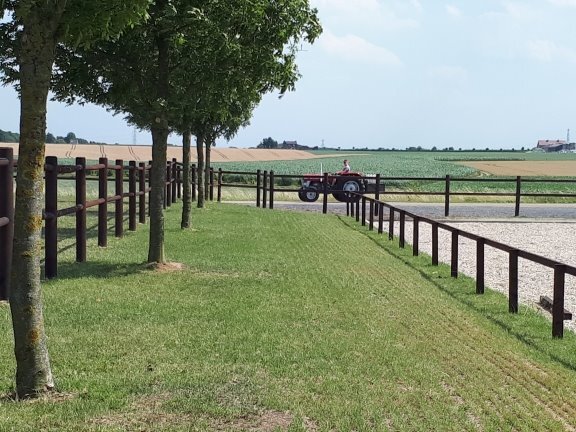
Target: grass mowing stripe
{"x": 286, "y": 316}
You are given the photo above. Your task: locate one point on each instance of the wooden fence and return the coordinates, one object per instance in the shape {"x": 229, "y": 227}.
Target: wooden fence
{"x": 136, "y": 175}
{"x": 266, "y": 185}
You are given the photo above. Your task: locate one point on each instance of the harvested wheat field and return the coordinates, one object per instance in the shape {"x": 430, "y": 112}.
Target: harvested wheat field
{"x": 144, "y": 153}
{"x": 525, "y": 168}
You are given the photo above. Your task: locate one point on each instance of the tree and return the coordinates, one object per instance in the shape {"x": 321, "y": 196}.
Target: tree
{"x": 70, "y": 138}
{"x": 268, "y": 143}
{"x": 27, "y": 45}
{"x": 50, "y": 139}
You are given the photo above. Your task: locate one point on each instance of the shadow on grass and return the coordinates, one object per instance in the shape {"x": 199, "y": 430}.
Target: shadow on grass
{"x": 98, "y": 270}
{"x": 528, "y": 327}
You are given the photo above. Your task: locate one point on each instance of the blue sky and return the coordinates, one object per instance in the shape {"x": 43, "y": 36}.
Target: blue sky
{"x": 400, "y": 73}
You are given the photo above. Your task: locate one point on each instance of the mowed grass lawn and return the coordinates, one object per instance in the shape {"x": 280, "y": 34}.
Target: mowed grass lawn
{"x": 285, "y": 321}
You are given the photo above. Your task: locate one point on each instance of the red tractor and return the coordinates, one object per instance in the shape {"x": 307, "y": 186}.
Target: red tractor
{"x": 338, "y": 185}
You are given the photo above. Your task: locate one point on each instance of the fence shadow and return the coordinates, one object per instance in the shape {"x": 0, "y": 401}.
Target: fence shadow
{"x": 98, "y": 269}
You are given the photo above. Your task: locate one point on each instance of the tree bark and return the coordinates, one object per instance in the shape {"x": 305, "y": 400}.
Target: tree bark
{"x": 186, "y": 181}
{"x": 200, "y": 169}
{"x": 39, "y": 37}
{"x": 160, "y": 132}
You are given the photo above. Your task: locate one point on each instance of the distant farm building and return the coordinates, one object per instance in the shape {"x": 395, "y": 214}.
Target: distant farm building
{"x": 555, "y": 145}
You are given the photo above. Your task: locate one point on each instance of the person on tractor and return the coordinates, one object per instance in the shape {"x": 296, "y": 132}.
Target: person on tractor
{"x": 346, "y": 168}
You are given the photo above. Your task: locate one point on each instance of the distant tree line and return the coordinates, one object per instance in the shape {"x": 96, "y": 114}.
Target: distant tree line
{"x": 70, "y": 138}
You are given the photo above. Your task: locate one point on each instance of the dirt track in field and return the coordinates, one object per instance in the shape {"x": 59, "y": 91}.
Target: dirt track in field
{"x": 525, "y": 168}
{"x": 144, "y": 153}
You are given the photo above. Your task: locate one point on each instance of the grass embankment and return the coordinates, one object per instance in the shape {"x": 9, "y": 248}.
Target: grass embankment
{"x": 289, "y": 322}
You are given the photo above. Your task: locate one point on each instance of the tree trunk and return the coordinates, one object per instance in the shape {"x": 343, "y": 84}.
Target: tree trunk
{"x": 200, "y": 169}
{"x": 157, "y": 191}
{"x": 207, "y": 170}
{"x": 186, "y": 181}
{"x": 160, "y": 132}
{"x": 33, "y": 371}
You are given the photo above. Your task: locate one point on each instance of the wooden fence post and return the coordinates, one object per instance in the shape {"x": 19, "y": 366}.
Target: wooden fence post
{"x": 7, "y": 219}
{"x": 435, "y": 243}
{"x": 194, "y": 177}
{"x": 380, "y": 217}
{"x": 258, "y": 186}
{"x": 173, "y": 177}
{"x": 377, "y": 193}
{"x": 141, "y": 193}
{"x": 325, "y": 193}
{"x": 447, "y": 197}
{"x": 391, "y": 224}
{"x": 402, "y": 240}
{"x": 513, "y": 281}
{"x": 103, "y": 204}
{"x": 558, "y": 301}
{"x": 518, "y": 194}
{"x": 132, "y": 194}
{"x": 264, "y": 188}
{"x": 119, "y": 202}
{"x": 167, "y": 193}
{"x": 371, "y": 218}
{"x": 271, "y": 200}
{"x": 211, "y": 186}
{"x": 415, "y": 236}
{"x": 179, "y": 179}
{"x": 219, "y": 195}
{"x": 363, "y": 210}
{"x": 454, "y": 255}
{"x": 480, "y": 243}
{"x": 80, "y": 209}
{"x": 51, "y": 213}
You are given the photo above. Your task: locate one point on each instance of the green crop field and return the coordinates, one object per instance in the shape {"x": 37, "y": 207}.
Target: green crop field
{"x": 420, "y": 164}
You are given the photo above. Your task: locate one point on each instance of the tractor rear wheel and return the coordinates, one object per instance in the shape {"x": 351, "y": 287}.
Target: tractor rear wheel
{"x": 347, "y": 185}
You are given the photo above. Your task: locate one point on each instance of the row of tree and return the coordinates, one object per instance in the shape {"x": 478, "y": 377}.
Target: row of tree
{"x": 194, "y": 67}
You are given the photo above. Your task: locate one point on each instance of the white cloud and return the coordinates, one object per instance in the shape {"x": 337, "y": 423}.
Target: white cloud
{"x": 453, "y": 11}
{"x": 569, "y": 3}
{"x": 354, "y": 48}
{"x": 547, "y": 51}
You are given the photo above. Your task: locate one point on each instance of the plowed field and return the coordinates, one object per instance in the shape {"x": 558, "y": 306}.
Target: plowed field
{"x": 525, "y": 168}
{"x": 144, "y": 153}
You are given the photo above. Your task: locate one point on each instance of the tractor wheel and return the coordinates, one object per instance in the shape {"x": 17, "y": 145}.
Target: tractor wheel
{"x": 309, "y": 194}
{"x": 347, "y": 185}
